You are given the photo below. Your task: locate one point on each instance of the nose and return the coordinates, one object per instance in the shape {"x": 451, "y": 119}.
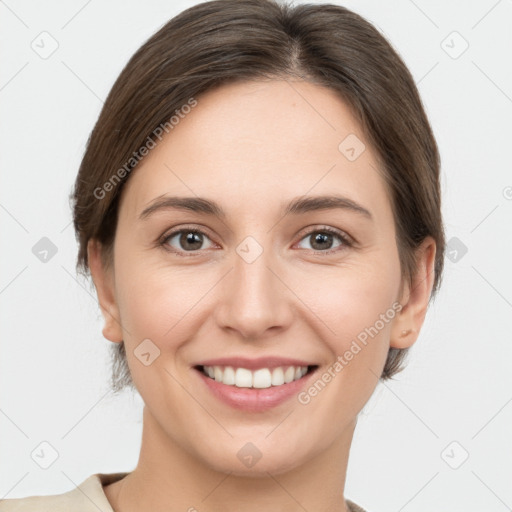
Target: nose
{"x": 254, "y": 300}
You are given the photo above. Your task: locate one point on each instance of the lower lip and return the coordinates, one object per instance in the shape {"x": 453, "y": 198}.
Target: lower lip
{"x": 255, "y": 400}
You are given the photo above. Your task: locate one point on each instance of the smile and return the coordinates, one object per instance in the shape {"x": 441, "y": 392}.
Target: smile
{"x": 257, "y": 390}
{"x": 258, "y": 379}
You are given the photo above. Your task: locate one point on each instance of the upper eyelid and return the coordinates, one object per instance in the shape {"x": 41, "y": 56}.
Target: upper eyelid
{"x": 319, "y": 228}
{"x": 174, "y": 231}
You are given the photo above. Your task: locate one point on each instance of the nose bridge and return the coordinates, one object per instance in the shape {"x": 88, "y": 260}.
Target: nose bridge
{"x": 251, "y": 272}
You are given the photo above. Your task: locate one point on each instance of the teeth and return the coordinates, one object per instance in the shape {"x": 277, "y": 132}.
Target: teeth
{"x": 277, "y": 377}
{"x": 243, "y": 377}
{"x": 229, "y": 376}
{"x": 262, "y": 378}
{"x": 289, "y": 374}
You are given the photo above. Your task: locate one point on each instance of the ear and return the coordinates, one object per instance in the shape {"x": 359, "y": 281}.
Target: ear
{"x": 103, "y": 279}
{"x": 415, "y": 297}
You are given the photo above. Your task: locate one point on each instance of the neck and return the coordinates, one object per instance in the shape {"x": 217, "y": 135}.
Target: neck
{"x": 167, "y": 477}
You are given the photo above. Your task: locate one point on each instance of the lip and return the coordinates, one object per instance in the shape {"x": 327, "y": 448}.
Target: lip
{"x": 255, "y": 364}
{"x": 251, "y": 399}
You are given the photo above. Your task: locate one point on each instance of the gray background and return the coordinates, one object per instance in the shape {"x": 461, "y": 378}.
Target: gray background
{"x": 453, "y": 401}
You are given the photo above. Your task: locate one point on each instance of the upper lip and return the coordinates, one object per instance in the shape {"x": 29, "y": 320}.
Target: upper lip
{"x": 255, "y": 364}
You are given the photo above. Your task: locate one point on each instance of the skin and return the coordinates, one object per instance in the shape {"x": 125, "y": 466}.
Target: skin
{"x": 246, "y": 145}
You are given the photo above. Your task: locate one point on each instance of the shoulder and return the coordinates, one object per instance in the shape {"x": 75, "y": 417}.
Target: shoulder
{"x": 87, "y": 497}
{"x": 351, "y": 506}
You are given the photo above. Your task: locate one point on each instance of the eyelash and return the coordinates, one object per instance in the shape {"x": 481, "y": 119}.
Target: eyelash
{"x": 346, "y": 241}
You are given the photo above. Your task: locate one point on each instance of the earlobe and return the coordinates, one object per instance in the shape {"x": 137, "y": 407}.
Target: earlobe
{"x": 104, "y": 284}
{"x": 408, "y": 323}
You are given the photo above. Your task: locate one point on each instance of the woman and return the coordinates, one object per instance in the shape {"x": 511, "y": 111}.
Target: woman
{"x": 259, "y": 209}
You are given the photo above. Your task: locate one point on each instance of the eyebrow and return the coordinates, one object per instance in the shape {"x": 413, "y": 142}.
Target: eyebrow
{"x": 297, "y": 206}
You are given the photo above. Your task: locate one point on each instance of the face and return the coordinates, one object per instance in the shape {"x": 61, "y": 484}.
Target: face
{"x": 190, "y": 286}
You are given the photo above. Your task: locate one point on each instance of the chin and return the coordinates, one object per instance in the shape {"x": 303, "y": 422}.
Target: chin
{"x": 247, "y": 460}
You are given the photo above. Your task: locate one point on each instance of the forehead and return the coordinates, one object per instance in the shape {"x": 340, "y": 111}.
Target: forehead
{"x": 263, "y": 141}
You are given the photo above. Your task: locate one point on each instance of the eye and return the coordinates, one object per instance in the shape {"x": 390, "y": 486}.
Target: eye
{"x": 188, "y": 240}
{"x": 191, "y": 240}
{"x": 321, "y": 240}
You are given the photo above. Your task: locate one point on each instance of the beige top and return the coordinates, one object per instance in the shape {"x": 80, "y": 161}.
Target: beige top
{"x": 87, "y": 497}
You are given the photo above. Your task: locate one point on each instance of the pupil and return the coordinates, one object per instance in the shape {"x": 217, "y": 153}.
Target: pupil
{"x": 191, "y": 238}
{"x": 322, "y": 237}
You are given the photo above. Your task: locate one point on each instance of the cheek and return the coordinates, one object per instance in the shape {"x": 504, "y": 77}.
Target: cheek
{"x": 359, "y": 316}
{"x": 357, "y": 307}
{"x": 160, "y": 303}
{"x": 157, "y": 305}
{"x": 352, "y": 297}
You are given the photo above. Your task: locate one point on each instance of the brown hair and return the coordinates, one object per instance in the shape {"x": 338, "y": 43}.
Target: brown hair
{"x": 222, "y": 41}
